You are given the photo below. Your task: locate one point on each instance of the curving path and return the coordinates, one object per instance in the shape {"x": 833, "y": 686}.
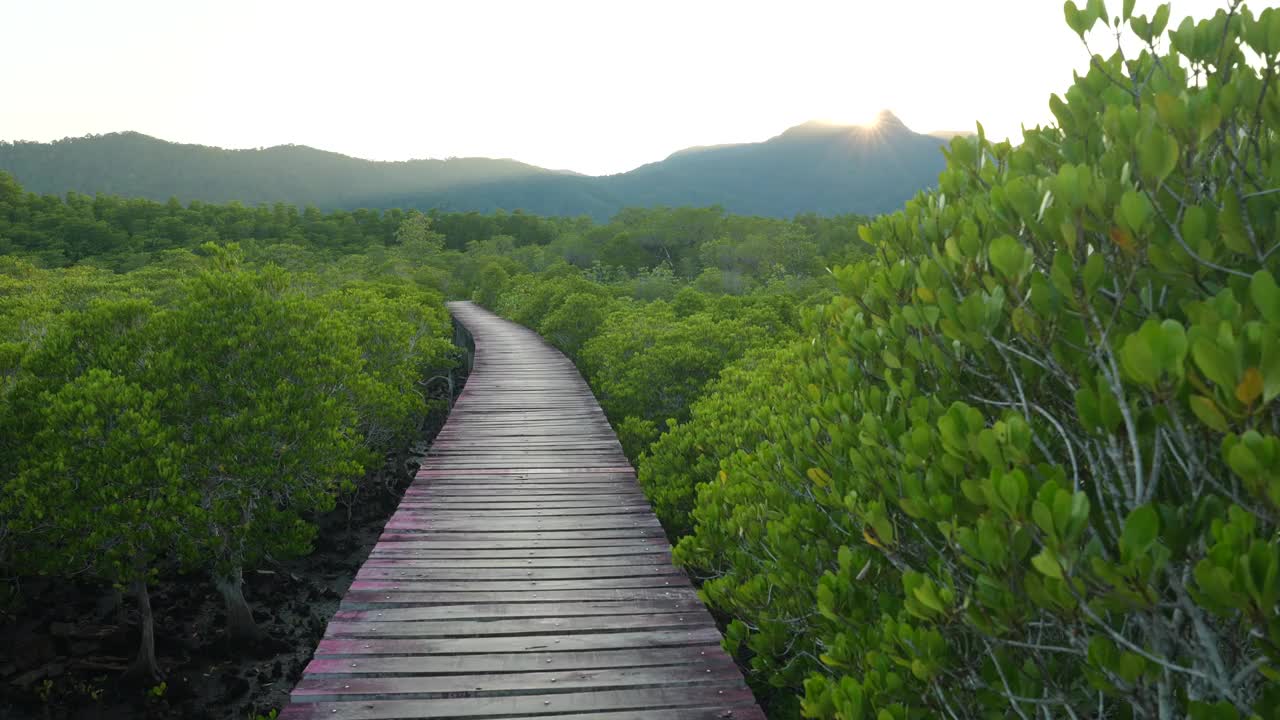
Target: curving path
{"x": 524, "y": 574}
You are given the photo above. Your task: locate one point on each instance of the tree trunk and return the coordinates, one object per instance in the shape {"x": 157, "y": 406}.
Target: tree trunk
{"x": 117, "y": 604}
{"x": 241, "y": 627}
{"x": 144, "y": 667}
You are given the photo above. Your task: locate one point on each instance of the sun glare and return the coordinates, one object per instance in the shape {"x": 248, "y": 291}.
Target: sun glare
{"x": 862, "y": 118}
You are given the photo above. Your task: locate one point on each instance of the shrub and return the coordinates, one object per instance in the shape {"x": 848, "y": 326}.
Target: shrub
{"x": 1026, "y": 469}
{"x": 255, "y": 375}
{"x": 647, "y": 364}
{"x": 733, "y": 414}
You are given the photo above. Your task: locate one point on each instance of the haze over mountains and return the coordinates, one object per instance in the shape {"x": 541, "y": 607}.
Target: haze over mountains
{"x": 814, "y": 167}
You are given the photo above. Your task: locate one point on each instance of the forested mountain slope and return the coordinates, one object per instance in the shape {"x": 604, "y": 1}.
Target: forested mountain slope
{"x": 813, "y": 167}
{"x": 137, "y": 165}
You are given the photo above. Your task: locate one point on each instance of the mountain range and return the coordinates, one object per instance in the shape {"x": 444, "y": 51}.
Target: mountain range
{"x": 814, "y": 167}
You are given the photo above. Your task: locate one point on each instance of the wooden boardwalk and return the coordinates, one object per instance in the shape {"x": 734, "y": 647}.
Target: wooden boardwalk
{"x": 524, "y": 574}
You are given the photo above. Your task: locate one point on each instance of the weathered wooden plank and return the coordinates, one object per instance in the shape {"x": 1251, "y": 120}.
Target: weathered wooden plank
{"x": 530, "y": 541}
{"x": 379, "y": 598}
{"x": 445, "y": 503}
{"x": 544, "y": 704}
{"x": 494, "y": 611}
{"x": 428, "y": 551}
{"x": 480, "y": 663}
{"x": 715, "y": 712}
{"x": 492, "y": 533}
{"x": 481, "y": 493}
{"x": 578, "y": 483}
{"x": 402, "y": 540}
{"x": 718, "y": 673}
{"x": 444, "y": 586}
{"x": 451, "y": 513}
{"x": 513, "y": 564}
{"x": 591, "y": 522}
{"x": 527, "y": 470}
{"x": 380, "y": 627}
{"x": 402, "y": 572}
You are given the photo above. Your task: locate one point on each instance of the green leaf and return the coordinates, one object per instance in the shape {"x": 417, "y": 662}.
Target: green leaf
{"x": 1231, "y": 222}
{"x": 1009, "y": 257}
{"x": 1132, "y": 666}
{"x": 1141, "y": 28}
{"x": 1075, "y": 19}
{"x": 1141, "y": 529}
{"x": 1173, "y": 348}
{"x": 989, "y": 448}
{"x": 1273, "y": 32}
{"x": 1214, "y": 362}
{"x": 1172, "y": 110}
{"x": 1012, "y": 487}
{"x": 1087, "y": 408}
{"x": 1134, "y": 209}
{"x": 1242, "y": 461}
{"x": 1157, "y": 155}
{"x": 1138, "y": 360}
{"x": 1046, "y": 561}
{"x": 1208, "y": 412}
{"x": 1097, "y": 10}
{"x": 1044, "y": 518}
{"x": 928, "y": 596}
{"x": 1265, "y": 295}
{"x": 1209, "y": 121}
{"x": 1160, "y": 20}
{"x": 1079, "y": 512}
{"x": 1108, "y": 407}
{"x": 1270, "y": 368}
{"x": 1195, "y": 225}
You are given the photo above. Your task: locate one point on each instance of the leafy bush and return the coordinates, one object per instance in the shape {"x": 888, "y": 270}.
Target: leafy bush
{"x": 255, "y": 373}
{"x": 576, "y": 320}
{"x": 1027, "y": 467}
{"x": 733, "y": 414}
{"x": 401, "y": 332}
{"x": 649, "y": 362}
{"x": 197, "y": 412}
{"x": 490, "y": 283}
{"x": 101, "y": 488}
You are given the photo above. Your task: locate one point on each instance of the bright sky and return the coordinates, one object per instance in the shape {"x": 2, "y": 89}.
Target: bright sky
{"x": 597, "y": 86}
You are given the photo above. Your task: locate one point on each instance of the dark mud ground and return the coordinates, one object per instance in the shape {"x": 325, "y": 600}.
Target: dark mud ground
{"x": 63, "y": 652}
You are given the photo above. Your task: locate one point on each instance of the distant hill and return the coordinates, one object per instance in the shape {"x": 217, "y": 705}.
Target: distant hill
{"x": 138, "y": 165}
{"x": 813, "y": 167}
